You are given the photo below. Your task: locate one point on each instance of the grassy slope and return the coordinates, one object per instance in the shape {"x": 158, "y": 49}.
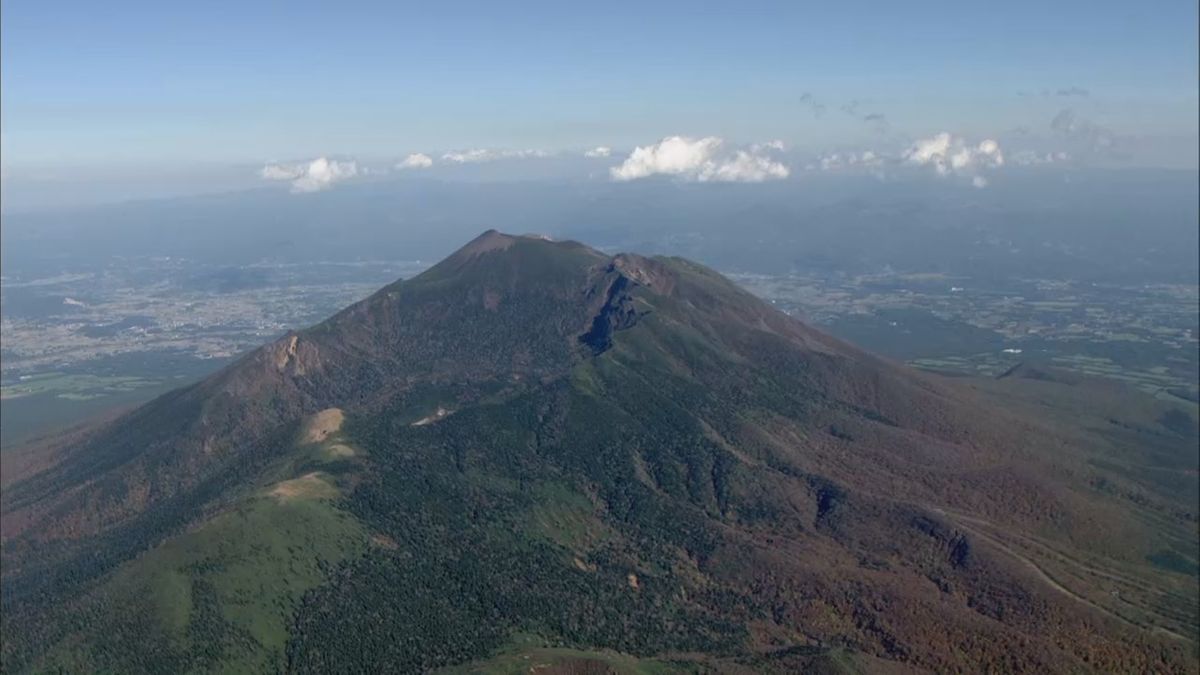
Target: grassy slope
{"x": 525, "y": 655}
{"x": 221, "y": 597}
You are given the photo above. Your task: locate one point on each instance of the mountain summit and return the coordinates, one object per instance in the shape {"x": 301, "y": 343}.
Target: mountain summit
{"x": 535, "y": 452}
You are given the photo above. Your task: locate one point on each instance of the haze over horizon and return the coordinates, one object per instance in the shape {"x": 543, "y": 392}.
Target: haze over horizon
{"x": 135, "y": 100}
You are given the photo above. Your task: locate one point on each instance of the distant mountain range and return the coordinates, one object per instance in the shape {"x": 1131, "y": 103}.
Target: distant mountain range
{"x": 1041, "y": 223}
{"x": 536, "y": 457}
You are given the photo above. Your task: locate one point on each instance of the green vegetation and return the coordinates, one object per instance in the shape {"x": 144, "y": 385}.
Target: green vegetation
{"x": 1174, "y": 562}
{"x": 219, "y": 598}
{"x": 489, "y": 538}
{"x": 525, "y": 655}
{"x": 535, "y": 453}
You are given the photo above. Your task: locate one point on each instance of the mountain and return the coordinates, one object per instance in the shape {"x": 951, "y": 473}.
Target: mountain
{"x": 538, "y": 455}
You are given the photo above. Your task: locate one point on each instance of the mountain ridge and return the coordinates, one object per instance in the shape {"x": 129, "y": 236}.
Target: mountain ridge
{"x": 623, "y": 429}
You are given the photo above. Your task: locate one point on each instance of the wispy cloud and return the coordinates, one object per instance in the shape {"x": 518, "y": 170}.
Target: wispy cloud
{"x": 702, "y": 160}
{"x": 1083, "y": 136}
{"x": 814, "y": 106}
{"x": 1061, "y": 92}
{"x": 476, "y": 155}
{"x": 878, "y": 122}
{"x": 417, "y": 160}
{"x": 598, "y": 151}
{"x": 312, "y": 176}
{"x": 470, "y": 156}
{"x": 1033, "y": 158}
{"x": 853, "y": 108}
{"x": 1073, "y": 91}
{"x": 947, "y": 154}
{"x": 776, "y": 145}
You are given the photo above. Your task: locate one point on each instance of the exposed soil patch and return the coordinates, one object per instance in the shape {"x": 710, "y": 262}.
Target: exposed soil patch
{"x": 324, "y": 423}
{"x": 437, "y": 415}
{"x": 308, "y": 486}
{"x": 339, "y": 450}
{"x": 384, "y": 541}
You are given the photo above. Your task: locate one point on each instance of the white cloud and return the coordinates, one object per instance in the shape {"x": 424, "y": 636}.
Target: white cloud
{"x": 312, "y": 176}
{"x": 674, "y": 155}
{"x": 949, "y": 154}
{"x": 747, "y": 167}
{"x": 598, "y": 151}
{"x": 476, "y": 155}
{"x": 700, "y": 159}
{"x": 417, "y": 160}
{"x": 979, "y": 182}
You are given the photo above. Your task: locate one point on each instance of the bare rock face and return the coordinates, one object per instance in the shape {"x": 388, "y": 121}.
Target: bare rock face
{"x": 284, "y": 356}
{"x": 618, "y": 312}
{"x": 645, "y": 271}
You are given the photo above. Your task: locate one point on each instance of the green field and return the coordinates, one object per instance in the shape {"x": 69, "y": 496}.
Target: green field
{"x": 79, "y": 387}
{"x": 52, "y": 401}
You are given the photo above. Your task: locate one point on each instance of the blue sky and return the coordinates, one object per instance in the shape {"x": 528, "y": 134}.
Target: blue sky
{"x": 164, "y": 84}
